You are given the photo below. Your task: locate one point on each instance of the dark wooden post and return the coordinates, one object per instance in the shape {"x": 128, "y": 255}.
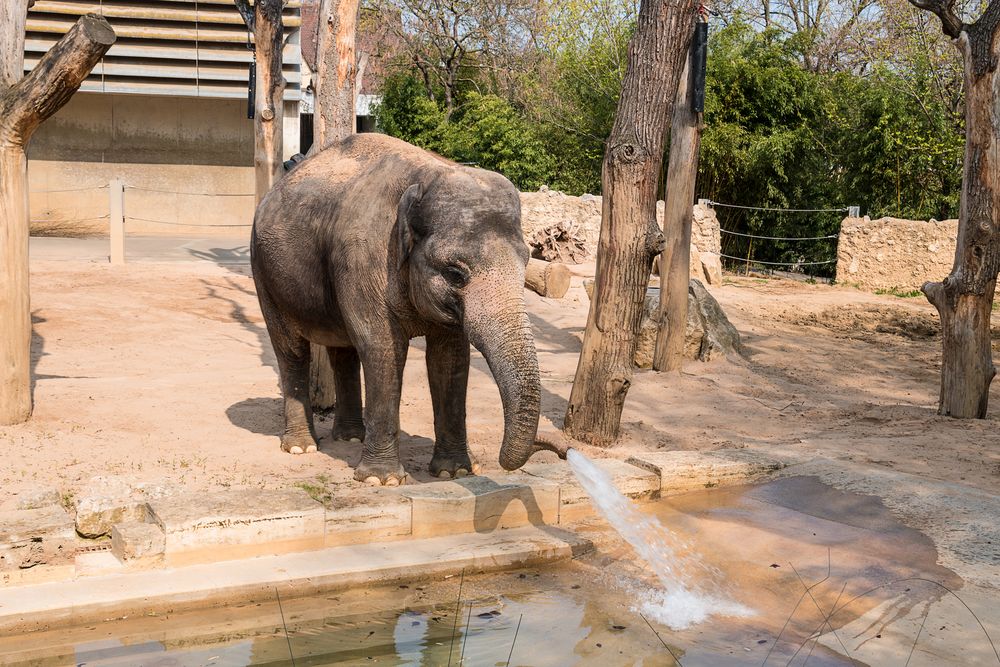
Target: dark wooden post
{"x": 630, "y": 236}
{"x": 25, "y": 103}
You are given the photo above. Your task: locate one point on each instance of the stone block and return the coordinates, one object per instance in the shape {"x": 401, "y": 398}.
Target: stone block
{"x": 681, "y": 472}
{"x": 367, "y": 515}
{"x": 482, "y": 504}
{"x": 711, "y": 266}
{"x": 28, "y": 538}
{"x": 107, "y": 501}
{"x": 633, "y": 482}
{"x": 238, "y": 523}
{"x": 138, "y": 542}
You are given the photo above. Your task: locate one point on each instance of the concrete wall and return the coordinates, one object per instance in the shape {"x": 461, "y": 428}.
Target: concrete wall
{"x": 894, "y": 253}
{"x": 171, "y": 144}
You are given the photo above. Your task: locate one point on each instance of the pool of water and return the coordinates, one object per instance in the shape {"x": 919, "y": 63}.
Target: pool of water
{"x": 829, "y": 578}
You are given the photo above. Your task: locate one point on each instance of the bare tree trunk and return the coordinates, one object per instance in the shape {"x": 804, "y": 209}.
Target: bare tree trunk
{"x": 675, "y": 262}
{"x": 270, "y": 101}
{"x": 24, "y": 105}
{"x": 630, "y": 236}
{"x": 336, "y": 73}
{"x": 964, "y": 299}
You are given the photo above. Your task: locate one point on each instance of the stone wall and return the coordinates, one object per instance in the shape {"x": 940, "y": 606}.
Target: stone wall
{"x": 892, "y": 253}
{"x": 548, "y": 207}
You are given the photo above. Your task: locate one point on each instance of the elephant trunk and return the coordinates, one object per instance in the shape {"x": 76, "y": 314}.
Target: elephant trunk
{"x": 497, "y": 325}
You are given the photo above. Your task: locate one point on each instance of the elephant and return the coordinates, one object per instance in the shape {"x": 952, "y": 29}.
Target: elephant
{"x": 372, "y": 242}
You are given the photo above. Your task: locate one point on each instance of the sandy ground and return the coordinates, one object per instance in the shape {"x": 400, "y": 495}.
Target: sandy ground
{"x": 163, "y": 374}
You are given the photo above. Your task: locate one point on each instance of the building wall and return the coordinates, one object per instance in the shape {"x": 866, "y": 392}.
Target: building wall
{"x": 178, "y": 146}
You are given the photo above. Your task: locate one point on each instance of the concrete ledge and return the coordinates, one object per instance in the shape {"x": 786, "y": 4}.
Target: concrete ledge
{"x": 238, "y": 523}
{"x": 681, "y": 472}
{"x": 482, "y": 504}
{"x": 368, "y": 515}
{"x": 631, "y": 481}
{"x": 44, "y": 606}
{"x": 35, "y": 544}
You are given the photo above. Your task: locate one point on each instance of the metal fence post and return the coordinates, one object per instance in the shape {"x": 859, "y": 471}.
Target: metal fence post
{"x": 116, "y": 190}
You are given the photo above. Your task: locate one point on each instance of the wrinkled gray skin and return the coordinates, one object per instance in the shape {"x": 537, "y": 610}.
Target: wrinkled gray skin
{"x": 370, "y": 243}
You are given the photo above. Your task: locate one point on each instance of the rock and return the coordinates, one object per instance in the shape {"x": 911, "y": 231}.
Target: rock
{"x": 709, "y": 333}
{"x": 34, "y": 499}
{"x": 133, "y": 540}
{"x": 107, "y": 501}
{"x": 34, "y": 537}
{"x": 695, "y": 270}
{"x": 711, "y": 265}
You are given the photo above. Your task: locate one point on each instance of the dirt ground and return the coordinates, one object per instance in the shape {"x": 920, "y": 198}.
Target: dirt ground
{"x": 163, "y": 374}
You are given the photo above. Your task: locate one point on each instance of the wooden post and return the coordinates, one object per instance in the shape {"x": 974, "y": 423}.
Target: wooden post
{"x": 25, "y": 103}
{"x": 675, "y": 261}
{"x": 116, "y": 208}
{"x": 630, "y": 236}
{"x": 336, "y": 73}
{"x": 548, "y": 279}
{"x": 334, "y": 96}
{"x": 263, "y": 20}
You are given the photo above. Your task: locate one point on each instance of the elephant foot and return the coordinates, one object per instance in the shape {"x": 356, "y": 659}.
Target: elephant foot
{"x": 298, "y": 444}
{"x": 380, "y": 474}
{"x": 447, "y": 466}
{"x": 348, "y": 432}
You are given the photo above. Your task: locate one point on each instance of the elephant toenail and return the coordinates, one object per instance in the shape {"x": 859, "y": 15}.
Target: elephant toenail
{"x": 373, "y": 481}
{"x": 355, "y": 440}
{"x": 444, "y": 474}
{"x": 311, "y": 448}
{"x": 295, "y": 449}
{"x": 392, "y": 481}
{"x": 461, "y": 472}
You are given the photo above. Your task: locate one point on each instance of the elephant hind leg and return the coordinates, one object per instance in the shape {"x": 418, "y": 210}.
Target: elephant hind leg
{"x": 349, "y": 421}
{"x": 292, "y": 352}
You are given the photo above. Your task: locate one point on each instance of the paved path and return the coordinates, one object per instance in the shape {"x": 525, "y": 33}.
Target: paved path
{"x": 144, "y": 249}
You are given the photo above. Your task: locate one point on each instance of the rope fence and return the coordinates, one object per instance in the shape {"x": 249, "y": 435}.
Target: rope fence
{"x": 190, "y": 194}
{"x": 90, "y": 187}
{"x": 756, "y": 241}
{"x": 179, "y": 224}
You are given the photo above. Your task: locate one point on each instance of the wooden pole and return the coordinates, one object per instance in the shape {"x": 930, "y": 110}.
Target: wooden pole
{"x": 630, "y": 236}
{"x": 336, "y": 73}
{"x": 335, "y": 95}
{"x": 116, "y": 209}
{"x": 25, "y": 103}
{"x": 675, "y": 261}
{"x": 270, "y": 105}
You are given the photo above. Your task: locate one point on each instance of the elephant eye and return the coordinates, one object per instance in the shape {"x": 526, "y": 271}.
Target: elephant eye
{"x": 456, "y": 276}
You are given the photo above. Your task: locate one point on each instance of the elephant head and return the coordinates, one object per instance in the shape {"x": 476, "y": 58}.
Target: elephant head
{"x": 464, "y": 256}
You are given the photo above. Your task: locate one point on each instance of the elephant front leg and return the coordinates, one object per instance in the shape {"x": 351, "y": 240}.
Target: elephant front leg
{"x": 383, "y": 359}
{"x": 448, "y": 374}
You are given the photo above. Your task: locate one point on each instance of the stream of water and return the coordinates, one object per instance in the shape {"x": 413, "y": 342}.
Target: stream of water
{"x": 678, "y": 603}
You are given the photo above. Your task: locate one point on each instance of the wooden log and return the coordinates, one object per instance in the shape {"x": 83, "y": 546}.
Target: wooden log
{"x": 24, "y": 105}
{"x": 336, "y": 73}
{"x": 678, "y": 214}
{"x": 548, "y": 279}
{"x": 629, "y": 234}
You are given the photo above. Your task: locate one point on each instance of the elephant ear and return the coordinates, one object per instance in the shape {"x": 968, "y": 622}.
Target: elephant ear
{"x": 408, "y": 221}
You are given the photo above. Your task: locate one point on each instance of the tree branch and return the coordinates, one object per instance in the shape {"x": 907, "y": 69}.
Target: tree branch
{"x": 36, "y": 97}
{"x": 945, "y": 10}
{"x": 246, "y": 11}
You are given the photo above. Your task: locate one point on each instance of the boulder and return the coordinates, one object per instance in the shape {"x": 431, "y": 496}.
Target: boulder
{"x": 110, "y": 500}
{"x": 711, "y": 265}
{"x": 709, "y": 333}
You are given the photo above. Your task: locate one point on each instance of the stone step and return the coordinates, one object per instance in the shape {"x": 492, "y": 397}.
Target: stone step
{"x": 482, "y": 504}
{"x": 94, "y": 599}
{"x": 682, "y": 471}
{"x": 632, "y": 481}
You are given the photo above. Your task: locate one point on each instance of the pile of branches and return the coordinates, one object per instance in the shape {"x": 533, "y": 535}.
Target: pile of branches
{"x": 559, "y": 243}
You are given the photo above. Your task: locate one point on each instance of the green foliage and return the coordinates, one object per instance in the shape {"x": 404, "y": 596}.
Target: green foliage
{"x": 901, "y": 293}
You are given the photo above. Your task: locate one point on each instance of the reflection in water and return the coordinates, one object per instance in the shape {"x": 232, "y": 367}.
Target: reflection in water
{"x": 768, "y": 541}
